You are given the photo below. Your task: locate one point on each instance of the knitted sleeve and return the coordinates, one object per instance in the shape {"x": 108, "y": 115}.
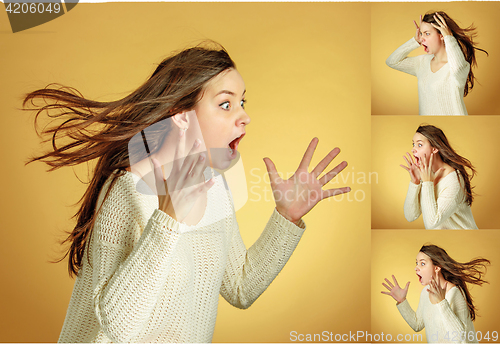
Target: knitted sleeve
{"x": 129, "y": 268}
{"x": 249, "y": 272}
{"x": 459, "y": 67}
{"x": 399, "y": 58}
{"x": 454, "y": 312}
{"x": 412, "y": 202}
{"x": 435, "y": 212}
{"x": 414, "y": 320}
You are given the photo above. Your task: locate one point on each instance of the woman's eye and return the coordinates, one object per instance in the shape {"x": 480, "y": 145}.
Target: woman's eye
{"x": 225, "y": 105}
{"x": 242, "y": 103}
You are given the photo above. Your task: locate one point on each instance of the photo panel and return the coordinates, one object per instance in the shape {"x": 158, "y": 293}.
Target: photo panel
{"x": 394, "y": 253}
{"x": 395, "y": 92}
{"x": 474, "y": 138}
{"x": 302, "y": 81}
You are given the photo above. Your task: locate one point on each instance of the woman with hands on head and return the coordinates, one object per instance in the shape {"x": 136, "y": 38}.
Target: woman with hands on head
{"x": 149, "y": 266}
{"x": 445, "y": 309}
{"x": 440, "y": 189}
{"x": 445, "y": 73}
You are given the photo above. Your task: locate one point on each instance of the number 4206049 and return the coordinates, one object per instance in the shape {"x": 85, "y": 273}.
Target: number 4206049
{"x": 41, "y": 7}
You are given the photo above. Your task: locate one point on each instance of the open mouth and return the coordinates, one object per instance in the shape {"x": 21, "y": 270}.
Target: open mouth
{"x": 425, "y": 48}
{"x": 417, "y": 160}
{"x": 419, "y": 278}
{"x": 233, "y": 145}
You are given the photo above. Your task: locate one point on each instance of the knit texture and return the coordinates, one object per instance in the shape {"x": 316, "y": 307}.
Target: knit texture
{"x": 150, "y": 278}
{"x": 440, "y": 92}
{"x": 443, "y": 206}
{"x": 448, "y": 321}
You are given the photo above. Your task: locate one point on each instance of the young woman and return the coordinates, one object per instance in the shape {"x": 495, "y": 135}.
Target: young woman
{"x": 150, "y": 266}
{"x": 445, "y": 309}
{"x": 440, "y": 186}
{"x": 445, "y": 74}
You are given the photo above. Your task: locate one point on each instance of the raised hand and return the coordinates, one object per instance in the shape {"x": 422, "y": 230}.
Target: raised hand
{"x": 412, "y": 168}
{"x": 395, "y": 290}
{"x": 296, "y": 196}
{"x": 425, "y": 168}
{"x": 442, "y": 27}
{"x": 178, "y": 193}
{"x": 436, "y": 292}
{"x": 417, "y": 33}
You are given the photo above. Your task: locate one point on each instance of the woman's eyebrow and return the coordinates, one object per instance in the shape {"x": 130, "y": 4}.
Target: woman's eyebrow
{"x": 229, "y": 92}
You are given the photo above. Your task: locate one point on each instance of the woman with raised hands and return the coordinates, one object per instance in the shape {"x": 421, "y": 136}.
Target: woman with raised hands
{"x": 445, "y": 73}
{"x": 156, "y": 238}
{"x": 445, "y": 309}
{"x": 440, "y": 184}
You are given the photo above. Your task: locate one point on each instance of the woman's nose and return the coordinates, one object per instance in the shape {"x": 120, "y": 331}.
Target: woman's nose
{"x": 243, "y": 119}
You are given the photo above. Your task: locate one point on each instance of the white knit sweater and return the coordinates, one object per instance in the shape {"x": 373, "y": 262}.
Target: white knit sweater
{"x": 153, "y": 279}
{"x": 439, "y": 93}
{"x": 448, "y": 321}
{"x": 443, "y": 206}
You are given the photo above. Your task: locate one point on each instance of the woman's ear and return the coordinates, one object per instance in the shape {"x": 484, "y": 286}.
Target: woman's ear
{"x": 435, "y": 150}
{"x": 181, "y": 120}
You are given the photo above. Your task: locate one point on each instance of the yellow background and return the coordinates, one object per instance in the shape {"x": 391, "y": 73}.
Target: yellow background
{"x": 473, "y": 137}
{"x": 394, "y": 253}
{"x": 302, "y": 81}
{"x": 395, "y": 92}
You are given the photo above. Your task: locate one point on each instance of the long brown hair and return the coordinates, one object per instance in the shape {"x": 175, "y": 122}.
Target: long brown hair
{"x": 438, "y": 140}
{"x": 465, "y": 38}
{"x": 458, "y": 273}
{"x": 101, "y": 130}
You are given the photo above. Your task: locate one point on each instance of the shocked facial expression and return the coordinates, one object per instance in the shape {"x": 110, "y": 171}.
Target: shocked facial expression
{"x": 222, "y": 117}
{"x": 430, "y": 38}
{"x": 421, "y": 147}
{"x": 425, "y": 269}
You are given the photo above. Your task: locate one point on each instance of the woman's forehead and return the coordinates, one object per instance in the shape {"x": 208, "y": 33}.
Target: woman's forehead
{"x": 422, "y": 256}
{"x": 419, "y": 137}
{"x": 229, "y": 80}
{"x": 426, "y": 27}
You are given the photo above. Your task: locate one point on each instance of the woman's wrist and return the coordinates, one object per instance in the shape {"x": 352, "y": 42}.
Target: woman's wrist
{"x": 287, "y": 217}
{"x": 427, "y": 179}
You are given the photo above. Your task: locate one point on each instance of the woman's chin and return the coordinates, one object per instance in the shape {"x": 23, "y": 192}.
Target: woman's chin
{"x": 221, "y": 159}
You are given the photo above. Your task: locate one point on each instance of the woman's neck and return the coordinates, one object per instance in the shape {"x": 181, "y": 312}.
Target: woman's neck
{"x": 442, "y": 283}
{"x": 438, "y": 163}
{"x": 441, "y": 57}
